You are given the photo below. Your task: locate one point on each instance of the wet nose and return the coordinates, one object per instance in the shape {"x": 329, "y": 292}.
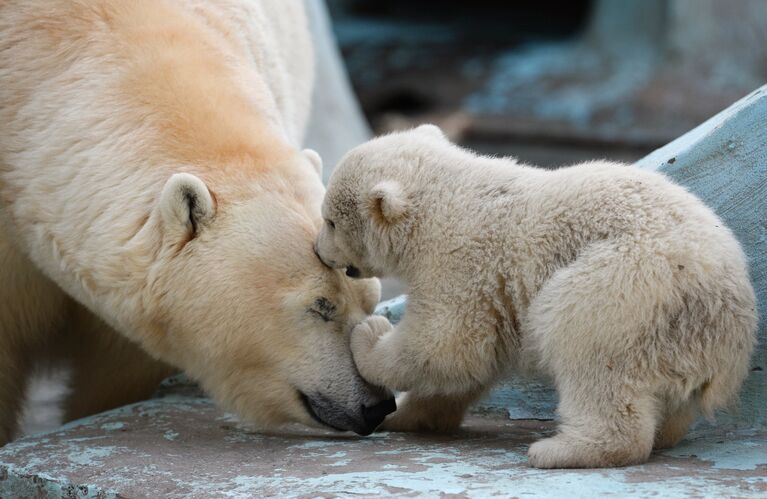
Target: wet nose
{"x": 353, "y": 271}
{"x": 375, "y": 414}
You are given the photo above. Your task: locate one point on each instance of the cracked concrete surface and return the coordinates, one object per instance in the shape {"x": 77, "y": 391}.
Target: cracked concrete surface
{"x": 181, "y": 445}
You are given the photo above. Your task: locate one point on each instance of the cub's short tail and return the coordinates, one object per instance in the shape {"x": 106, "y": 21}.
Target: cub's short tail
{"x": 722, "y": 389}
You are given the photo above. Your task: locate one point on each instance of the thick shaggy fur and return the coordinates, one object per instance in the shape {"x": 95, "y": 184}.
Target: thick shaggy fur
{"x": 621, "y": 285}
{"x": 155, "y": 210}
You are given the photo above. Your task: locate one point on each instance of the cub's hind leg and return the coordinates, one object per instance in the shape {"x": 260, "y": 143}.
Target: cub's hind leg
{"x": 675, "y": 421}
{"x": 598, "y": 430}
{"x": 593, "y": 325}
{"x": 32, "y": 309}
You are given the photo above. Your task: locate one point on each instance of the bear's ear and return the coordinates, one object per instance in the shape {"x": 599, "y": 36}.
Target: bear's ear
{"x": 388, "y": 202}
{"x": 186, "y": 204}
{"x": 315, "y": 159}
{"x": 432, "y": 130}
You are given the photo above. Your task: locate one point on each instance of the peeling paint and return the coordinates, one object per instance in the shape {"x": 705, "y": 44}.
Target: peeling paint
{"x": 170, "y": 435}
{"x": 741, "y": 453}
{"x": 117, "y": 425}
{"x": 488, "y": 457}
{"x": 90, "y": 456}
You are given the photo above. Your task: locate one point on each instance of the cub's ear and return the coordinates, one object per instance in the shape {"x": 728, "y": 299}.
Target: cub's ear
{"x": 315, "y": 159}
{"x": 432, "y": 130}
{"x": 186, "y": 204}
{"x": 388, "y": 202}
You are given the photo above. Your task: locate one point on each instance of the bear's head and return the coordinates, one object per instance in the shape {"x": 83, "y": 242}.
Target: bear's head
{"x": 371, "y": 202}
{"x": 240, "y": 301}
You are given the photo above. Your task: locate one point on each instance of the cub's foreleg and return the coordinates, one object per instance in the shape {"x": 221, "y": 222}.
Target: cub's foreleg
{"x": 443, "y": 365}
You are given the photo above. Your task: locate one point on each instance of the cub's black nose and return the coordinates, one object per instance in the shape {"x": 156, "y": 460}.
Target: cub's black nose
{"x": 374, "y": 415}
{"x": 353, "y": 271}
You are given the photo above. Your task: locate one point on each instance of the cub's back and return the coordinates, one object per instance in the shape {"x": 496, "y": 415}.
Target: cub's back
{"x": 620, "y": 198}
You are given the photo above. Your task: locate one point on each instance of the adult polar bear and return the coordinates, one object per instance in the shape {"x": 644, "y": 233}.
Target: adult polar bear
{"x": 150, "y": 185}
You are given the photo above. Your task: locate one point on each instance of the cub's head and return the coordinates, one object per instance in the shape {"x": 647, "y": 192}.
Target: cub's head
{"x": 243, "y": 304}
{"x": 371, "y": 201}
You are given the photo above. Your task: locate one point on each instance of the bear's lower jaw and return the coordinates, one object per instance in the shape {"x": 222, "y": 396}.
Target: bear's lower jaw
{"x": 310, "y": 410}
{"x": 331, "y": 415}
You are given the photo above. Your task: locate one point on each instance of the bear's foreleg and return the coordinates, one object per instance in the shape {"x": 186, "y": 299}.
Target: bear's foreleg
{"x": 14, "y": 370}
{"x": 32, "y": 309}
{"x": 108, "y": 370}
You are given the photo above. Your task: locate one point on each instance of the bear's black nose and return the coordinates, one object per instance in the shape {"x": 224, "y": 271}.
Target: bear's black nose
{"x": 374, "y": 415}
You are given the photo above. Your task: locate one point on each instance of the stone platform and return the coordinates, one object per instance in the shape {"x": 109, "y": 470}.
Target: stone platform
{"x": 181, "y": 445}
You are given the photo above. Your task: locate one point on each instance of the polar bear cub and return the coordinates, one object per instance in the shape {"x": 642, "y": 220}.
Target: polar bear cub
{"x": 619, "y": 284}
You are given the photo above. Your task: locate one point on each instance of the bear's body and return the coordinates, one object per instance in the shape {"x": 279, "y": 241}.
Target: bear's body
{"x": 155, "y": 209}
{"x": 622, "y": 286}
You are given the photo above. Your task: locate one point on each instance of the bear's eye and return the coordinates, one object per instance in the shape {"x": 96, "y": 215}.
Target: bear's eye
{"x": 331, "y": 224}
{"x": 323, "y": 309}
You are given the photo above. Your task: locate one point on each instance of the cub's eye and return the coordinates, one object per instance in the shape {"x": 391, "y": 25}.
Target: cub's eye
{"x": 331, "y": 224}
{"x": 323, "y": 309}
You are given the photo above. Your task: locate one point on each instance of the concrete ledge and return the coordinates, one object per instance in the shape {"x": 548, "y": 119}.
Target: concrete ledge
{"x": 181, "y": 445}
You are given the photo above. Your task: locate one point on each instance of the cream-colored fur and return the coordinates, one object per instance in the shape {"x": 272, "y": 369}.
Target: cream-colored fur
{"x": 620, "y": 285}
{"x": 155, "y": 209}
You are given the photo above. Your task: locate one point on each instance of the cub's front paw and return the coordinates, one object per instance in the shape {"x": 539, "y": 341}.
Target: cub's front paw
{"x": 365, "y": 335}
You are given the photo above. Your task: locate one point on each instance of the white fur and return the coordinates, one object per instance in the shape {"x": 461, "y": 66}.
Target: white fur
{"x": 622, "y": 286}
{"x": 185, "y": 203}
{"x": 389, "y": 200}
{"x": 315, "y": 159}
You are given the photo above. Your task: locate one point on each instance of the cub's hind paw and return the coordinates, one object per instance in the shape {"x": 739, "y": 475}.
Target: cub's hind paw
{"x": 548, "y": 453}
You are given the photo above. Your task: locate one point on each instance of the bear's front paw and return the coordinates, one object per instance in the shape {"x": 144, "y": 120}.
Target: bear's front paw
{"x": 365, "y": 335}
